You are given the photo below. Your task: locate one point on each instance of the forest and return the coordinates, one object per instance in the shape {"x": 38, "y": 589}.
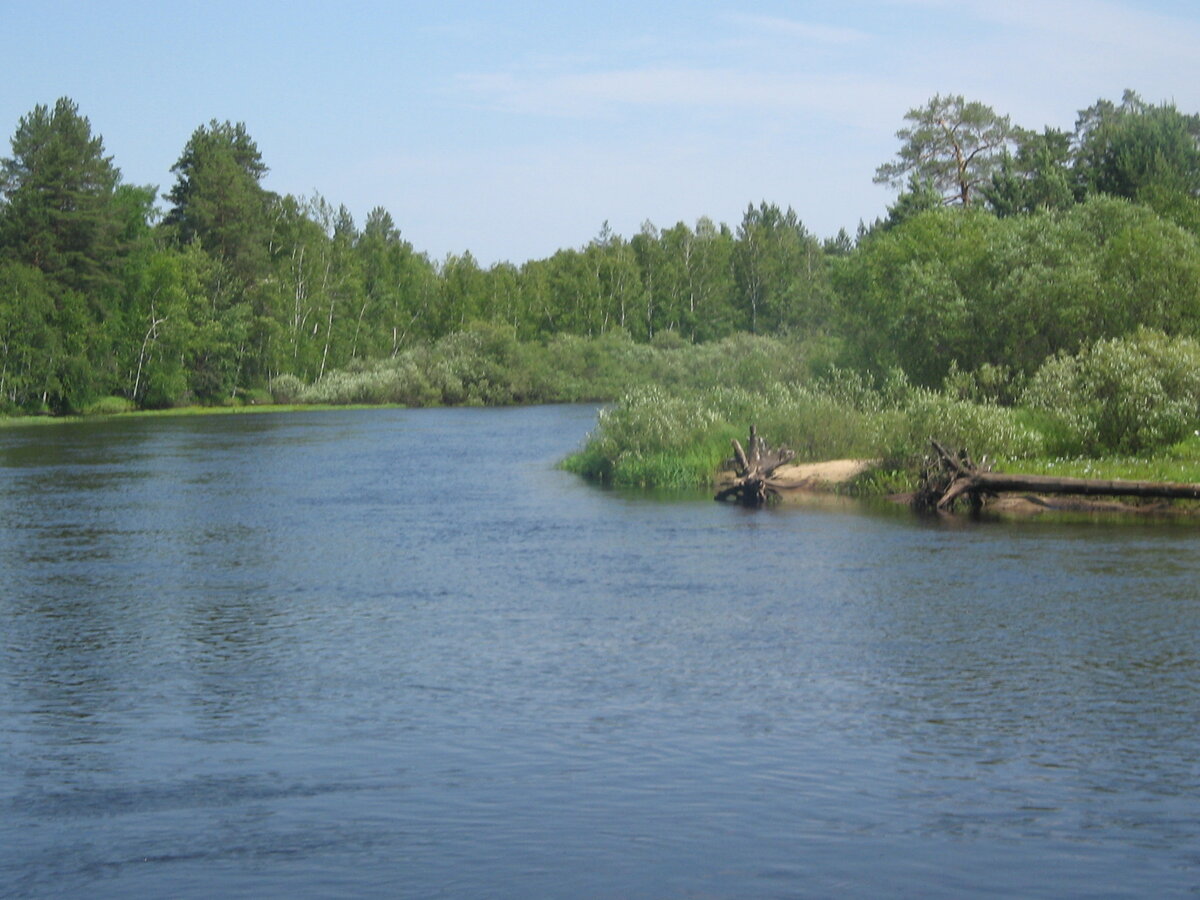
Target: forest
{"x": 1010, "y": 261}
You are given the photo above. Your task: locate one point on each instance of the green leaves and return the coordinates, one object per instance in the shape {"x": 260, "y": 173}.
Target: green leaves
{"x": 1127, "y": 395}
{"x": 1138, "y": 151}
{"x": 218, "y": 201}
{"x": 953, "y": 285}
{"x": 60, "y": 215}
{"x": 954, "y": 144}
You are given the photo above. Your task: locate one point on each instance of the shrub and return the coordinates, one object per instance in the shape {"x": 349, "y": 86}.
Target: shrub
{"x": 1126, "y": 395}
{"x": 980, "y": 428}
{"x": 257, "y": 397}
{"x": 286, "y": 388}
{"x": 108, "y": 406}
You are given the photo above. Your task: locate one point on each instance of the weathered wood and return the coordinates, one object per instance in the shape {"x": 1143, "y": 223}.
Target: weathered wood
{"x": 753, "y": 467}
{"x": 739, "y": 455}
{"x": 998, "y": 482}
{"x": 966, "y": 479}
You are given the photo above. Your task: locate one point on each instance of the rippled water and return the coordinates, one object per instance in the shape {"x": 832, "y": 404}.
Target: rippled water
{"x": 395, "y": 653}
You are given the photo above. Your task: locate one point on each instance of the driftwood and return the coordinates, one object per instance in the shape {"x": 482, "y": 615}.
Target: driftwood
{"x": 960, "y": 477}
{"x": 753, "y": 467}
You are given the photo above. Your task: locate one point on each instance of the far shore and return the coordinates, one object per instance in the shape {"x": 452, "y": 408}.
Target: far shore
{"x": 47, "y": 419}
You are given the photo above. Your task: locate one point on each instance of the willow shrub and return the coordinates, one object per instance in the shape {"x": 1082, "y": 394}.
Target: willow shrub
{"x": 652, "y": 438}
{"x": 1126, "y": 395}
{"x": 486, "y": 365}
{"x": 904, "y": 432}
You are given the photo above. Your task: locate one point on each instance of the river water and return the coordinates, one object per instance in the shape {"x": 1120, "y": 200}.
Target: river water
{"x": 390, "y": 653}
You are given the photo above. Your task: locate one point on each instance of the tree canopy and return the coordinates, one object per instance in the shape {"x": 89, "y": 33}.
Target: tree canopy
{"x": 1004, "y": 247}
{"x": 954, "y": 144}
{"x": 60, "y": 213}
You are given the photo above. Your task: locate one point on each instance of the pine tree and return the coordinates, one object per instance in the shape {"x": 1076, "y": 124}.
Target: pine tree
{"x": 60, "y": 215}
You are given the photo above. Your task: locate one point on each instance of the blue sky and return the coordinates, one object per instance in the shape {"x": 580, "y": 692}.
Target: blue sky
{"x": 512, "y": 129}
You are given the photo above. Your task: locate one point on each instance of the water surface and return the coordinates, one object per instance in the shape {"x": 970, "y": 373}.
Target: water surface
{"x": 396, "y": 653}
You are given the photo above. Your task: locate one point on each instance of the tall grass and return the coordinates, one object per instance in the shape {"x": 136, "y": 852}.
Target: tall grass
{"x": 656, "y": 437}
{"x": 1127, "y": 408}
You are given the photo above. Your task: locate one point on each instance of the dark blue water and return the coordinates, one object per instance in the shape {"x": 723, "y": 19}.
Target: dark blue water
{"x": 395, "y": 653}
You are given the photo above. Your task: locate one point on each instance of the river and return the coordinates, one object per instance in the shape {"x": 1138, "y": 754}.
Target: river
{"x": 381, "y": 653}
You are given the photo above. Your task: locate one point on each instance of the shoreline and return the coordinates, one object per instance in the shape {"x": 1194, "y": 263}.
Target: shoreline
{"x": 808, "y": 483}
{"x": 23, "y": 421}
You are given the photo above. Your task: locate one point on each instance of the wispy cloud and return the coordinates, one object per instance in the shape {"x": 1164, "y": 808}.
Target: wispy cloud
{"x": 812, "y": 32}
{"x": 1133, "y": 29}
{"x": 609, "y": 92}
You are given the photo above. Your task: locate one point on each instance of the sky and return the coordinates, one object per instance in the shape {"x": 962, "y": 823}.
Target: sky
{"x": 511, "y": 130}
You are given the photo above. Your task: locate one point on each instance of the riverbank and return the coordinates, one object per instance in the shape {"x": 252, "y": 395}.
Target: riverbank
{"x": 179, "y": 411}
{"x": 820, "y": 482}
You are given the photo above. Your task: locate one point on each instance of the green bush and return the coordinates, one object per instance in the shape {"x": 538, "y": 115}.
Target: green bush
{"x": 109, "y": 406}
{"x": 981, "y": 429}
{"x": 286, "y": 388}
{"x": 257, "y": 397}
{"x": 486, "y": 365}
{"x": 986, "y": 384}
{"x": 1126, "y": 395}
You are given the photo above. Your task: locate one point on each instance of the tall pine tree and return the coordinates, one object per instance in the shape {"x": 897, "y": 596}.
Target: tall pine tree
{"x": 59, "y": 215}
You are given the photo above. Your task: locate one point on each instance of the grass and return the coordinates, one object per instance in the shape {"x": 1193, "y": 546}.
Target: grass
{"x": 661, "y": 438}
{"x": 658, "y": 438}
{"x": 1155, "y": 468}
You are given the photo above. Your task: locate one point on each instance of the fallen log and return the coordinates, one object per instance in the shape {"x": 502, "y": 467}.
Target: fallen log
{"x": 753, "y": 467}
{"x": 974, "y": 482}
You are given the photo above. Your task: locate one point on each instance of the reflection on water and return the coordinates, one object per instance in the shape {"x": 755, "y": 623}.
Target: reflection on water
{"x": 302, "y": 654}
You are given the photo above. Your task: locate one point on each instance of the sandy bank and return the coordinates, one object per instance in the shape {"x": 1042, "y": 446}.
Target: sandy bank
{"x": 808, "y": 478}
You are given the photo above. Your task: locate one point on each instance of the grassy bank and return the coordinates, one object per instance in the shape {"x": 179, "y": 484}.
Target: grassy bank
{"x": 1071, "y": 422}
{"x": 658, "y": 438}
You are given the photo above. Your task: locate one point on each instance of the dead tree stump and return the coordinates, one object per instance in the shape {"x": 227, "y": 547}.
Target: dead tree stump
{"x": 753, "y": 467}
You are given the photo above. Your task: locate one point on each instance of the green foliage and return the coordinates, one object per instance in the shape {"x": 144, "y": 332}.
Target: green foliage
{"x": 985, "y": 384}
{"x": 983, "y": 428}
{"x": 780, "y": 273}
{"x": 919, "y": 196}
{"x": 1087, "y": 236}
{"x": 217, "y": 198}
{"x": 1038, "y": 177}
{"x": 30, "y": 339}
{"x": 487, "y": 364}
{"x": 286, "y": 389}
{"x": 660, "y": 438}
{"x": 1126, "y": 395}
{"x": 951, "y": 143}
{"x": 962, "y": 288}
{"x": 910, "y": 296}
{"x": 60, "y": 213}
{"x": 108, "y": 406}
{"x": 1138, "y": 151}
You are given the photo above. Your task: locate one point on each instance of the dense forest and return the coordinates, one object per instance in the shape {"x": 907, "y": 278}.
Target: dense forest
{"x": 1005, "y": 248}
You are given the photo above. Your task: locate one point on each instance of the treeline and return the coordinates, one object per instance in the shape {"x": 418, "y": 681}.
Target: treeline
{"x": 1004, "y": 248}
